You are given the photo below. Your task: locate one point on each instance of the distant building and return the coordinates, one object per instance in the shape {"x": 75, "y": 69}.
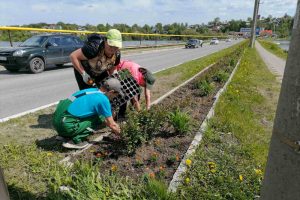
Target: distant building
{"x": 53, "y": 26}
{"x": 81, "y": 28}
{"x": 247, "y": 31}
{"x": 266, "y": 33}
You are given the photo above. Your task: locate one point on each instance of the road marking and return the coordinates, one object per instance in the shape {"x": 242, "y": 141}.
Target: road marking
{"x": 27, "y": 112}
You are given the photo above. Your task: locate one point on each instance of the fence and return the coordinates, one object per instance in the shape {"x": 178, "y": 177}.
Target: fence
{"x": 140, "y": 35}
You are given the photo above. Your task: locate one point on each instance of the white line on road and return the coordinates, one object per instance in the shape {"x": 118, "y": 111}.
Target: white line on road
{"x": 27, "y": 112}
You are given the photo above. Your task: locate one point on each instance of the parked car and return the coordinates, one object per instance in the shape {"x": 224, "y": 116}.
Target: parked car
{"x": 39, "y": 51}
{"x": 214, "y": 41}
{"x": 228, "y": 40}
{"x": 193, "y": 43}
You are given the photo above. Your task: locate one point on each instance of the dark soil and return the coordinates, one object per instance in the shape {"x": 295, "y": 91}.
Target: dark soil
{"x": 162, "y": 154}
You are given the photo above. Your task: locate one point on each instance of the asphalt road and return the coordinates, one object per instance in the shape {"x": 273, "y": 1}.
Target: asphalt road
{"x": 23, "y": 91}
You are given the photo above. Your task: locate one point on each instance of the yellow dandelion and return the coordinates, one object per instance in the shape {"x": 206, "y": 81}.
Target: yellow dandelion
{"x": 49, "y": 154}
{"x": 241, "y": 177}
{"x": 258, "y": 171}
{"x": 187, "y": 180}
{"x": 188, "y": 162}
{"x": 114, "y": 168}
{"x": 211, "y": 165}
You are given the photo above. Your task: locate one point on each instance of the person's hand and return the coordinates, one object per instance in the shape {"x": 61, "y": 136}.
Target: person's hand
{"x": 86, "y": 78}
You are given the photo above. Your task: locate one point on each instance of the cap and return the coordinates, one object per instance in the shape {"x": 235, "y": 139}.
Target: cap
{"x": 114, "y": 38}
{"x": 113, "y": 84}
{"x": 149, "y": 78}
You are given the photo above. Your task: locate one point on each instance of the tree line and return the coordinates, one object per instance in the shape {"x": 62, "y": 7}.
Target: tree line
{"x": 282, "y": 26}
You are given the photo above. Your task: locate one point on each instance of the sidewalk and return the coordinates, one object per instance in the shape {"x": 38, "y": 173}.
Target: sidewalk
{"x": 275, "y": 64}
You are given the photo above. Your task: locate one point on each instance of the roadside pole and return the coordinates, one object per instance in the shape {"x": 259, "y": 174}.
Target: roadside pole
{"x": 282, "y": 174}
{"x": 253, "y": 28}
{"x": 4, "y": 195}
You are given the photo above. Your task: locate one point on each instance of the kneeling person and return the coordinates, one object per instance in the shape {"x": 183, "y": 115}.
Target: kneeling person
{"x": 77, "y": 116}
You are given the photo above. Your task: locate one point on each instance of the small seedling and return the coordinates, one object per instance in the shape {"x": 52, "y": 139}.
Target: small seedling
{"x": 153, "y": 157}
{"x": 205, "y": 88}
{"x": 171, "y": 160}
{"x": 221, "y": 76}
{"x": 180, "y": 121}
{"x": 139, "y": 162}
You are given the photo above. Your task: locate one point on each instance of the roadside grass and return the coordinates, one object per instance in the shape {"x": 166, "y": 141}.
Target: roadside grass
{"x": 229, "y": 162}
{"x": 174, "y": 76}
{"x": 30, "y": 154}
{"x": 273, "y": 48}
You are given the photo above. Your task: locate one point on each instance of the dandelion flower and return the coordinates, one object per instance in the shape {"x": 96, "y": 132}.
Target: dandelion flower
{"x": 188, "y": 162}
{"x": 241, "y": 177}
{"x": 258, "y": 171}
{"x": 49, "y": 154}
{"x": 114, "y": 168}
{"x": 187, "y": 180}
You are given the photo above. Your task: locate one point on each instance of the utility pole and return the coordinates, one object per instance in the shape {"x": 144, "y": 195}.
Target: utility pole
{"x": 282, "y": 174}
{"x": 253, "y": 28}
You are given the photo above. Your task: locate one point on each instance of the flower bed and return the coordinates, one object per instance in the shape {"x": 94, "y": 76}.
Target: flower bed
{"x": 153, "y": 143}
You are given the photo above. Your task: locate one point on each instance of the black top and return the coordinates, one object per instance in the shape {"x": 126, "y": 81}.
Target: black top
{"x": 97, "y": 63}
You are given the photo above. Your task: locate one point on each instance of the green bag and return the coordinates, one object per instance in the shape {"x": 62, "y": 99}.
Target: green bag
{"x": 73, "y": 127}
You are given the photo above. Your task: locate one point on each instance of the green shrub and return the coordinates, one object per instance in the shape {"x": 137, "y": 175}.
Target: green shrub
{"x": 180, "y": 121}
{"x": 140, "y": 127}
{"x": 131, "y": 134}
{"x": 205, "y": 87}
{"x": 221, "y": 76}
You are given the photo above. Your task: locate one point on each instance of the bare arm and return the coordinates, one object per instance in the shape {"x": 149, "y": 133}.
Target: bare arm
{"x": 76, "y": 56}
{"x": 148, "y": 98}
{"x": 135, "y": 102}
{"x": 109, "y": 121}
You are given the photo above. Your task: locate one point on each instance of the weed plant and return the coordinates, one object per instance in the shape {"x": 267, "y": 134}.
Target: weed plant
{"x": 221, "y": 76}
{"x": 180, "y": 121}
{"x": 204, "y": 87}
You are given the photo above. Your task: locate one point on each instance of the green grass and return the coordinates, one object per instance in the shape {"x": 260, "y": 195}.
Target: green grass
{"x": 274, "y": 48}
{"x": 191, "y": 68}
{"x": 180, "y": 121}
{"x": 229, "y": 162}
{"x": 204, "y": 87}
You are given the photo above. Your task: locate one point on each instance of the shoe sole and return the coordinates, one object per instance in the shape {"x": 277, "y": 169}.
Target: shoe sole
{"x": 72, "y": 146}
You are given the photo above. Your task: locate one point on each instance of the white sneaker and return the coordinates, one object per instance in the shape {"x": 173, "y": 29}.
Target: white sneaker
{"x": 71, "y": 145}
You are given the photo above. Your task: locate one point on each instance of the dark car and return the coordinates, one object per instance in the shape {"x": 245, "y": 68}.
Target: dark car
{"x": 193, "y": 43}
{"x": 39, "y": 51}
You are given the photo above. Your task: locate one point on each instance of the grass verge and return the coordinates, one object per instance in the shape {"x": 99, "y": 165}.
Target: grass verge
{"x": 174, "y": 76}
{"x": 274, "y": 48}
{"x": 229, "y": 162}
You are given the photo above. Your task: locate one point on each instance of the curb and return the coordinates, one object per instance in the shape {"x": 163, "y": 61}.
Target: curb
{"x": 182, "y": 84}
{"x": 176, "y": 180}
{"x": 27, "y": 112}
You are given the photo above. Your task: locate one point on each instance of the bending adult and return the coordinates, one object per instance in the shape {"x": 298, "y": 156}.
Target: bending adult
{"x": 144, "y": 78}
{"x": 79, "y": 115}
{"x": 97, "y": 59}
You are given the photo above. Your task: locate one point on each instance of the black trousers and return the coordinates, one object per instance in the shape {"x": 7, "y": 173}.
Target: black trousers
{"x": 122, "y": 109}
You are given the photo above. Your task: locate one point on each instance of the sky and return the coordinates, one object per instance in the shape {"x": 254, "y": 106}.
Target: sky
{"x": 81, "y": 12}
